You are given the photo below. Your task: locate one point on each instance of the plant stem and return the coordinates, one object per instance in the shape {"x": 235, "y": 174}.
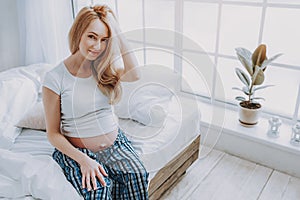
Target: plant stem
{"x": 250, "y": 91}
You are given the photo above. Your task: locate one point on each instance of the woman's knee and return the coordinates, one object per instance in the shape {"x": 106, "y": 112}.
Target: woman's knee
{"x": 101, "y": 193}
{"x": 140, "y": 177}
{"x": 137, "y": 185}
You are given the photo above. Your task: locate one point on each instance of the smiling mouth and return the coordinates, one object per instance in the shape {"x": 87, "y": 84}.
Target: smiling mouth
{"x": 94, "y": 52}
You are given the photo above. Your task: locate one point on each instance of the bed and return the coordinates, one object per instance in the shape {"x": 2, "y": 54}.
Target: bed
{"x": 162, "y": 124}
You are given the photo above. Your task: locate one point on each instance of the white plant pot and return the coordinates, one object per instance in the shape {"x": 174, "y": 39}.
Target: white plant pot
{"x": 249, "y": 117}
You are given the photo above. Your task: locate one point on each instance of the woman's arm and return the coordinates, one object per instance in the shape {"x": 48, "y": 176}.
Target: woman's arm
{"x": 90, "y": 169}
{"x": 130, "y": 71}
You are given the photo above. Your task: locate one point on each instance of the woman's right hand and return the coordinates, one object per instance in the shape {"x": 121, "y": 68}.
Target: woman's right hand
{"x": 91, "y": 170}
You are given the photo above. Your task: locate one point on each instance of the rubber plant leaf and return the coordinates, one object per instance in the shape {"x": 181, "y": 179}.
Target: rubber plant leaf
{"x": 262, "y": 87}
{"x": 242, "y": 76}
{"x": 236, "y": 88}
{"x": 259, "y": 55}
{"x": 239, "y": 98}
{"x": 258, "y": 76}
{"x": 244, "y": 55}
{"x": 268, "y": 61}
{"x": 257, "y": 98}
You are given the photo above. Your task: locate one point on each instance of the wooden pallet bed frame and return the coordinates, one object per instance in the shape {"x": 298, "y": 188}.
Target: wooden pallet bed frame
{"x": 170, "y": 174}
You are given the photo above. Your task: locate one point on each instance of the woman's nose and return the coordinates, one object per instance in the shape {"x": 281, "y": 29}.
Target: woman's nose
{"x": 97, "y": 45}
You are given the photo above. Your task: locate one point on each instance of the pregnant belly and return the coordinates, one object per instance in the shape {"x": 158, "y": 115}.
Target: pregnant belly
{"x": 96, "y": 143}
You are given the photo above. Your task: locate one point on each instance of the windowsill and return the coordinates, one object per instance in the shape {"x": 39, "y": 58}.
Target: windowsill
{"x": 221, "y": 130}
{"x": 257, "y": 133}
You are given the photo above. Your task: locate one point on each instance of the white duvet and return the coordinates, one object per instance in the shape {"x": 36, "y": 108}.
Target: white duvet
{"x": 33, "y": 171}
{"x": 26, "y": 166}
{"x": 27, "y": 170}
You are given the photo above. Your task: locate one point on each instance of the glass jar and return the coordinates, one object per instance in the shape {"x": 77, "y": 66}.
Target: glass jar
{"x": 274, "y": 124}
{"x": 295, "y": 139}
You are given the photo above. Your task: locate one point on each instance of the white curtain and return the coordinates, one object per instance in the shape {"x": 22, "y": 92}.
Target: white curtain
{"x": 43, "y": 28}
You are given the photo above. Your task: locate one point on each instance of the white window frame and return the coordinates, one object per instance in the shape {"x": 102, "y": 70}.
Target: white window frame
{"x": 178, "y": 47}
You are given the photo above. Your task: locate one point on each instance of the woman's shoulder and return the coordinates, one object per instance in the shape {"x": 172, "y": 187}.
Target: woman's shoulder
{"x": 58, "y": 70}
{"x": 54, "y": 77}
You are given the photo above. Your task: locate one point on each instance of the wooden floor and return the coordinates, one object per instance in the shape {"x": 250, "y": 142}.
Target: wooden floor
{"x": 223, "y": 176}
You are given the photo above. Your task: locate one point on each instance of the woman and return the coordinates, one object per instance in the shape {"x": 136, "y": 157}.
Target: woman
{"x": 78, "y": 95}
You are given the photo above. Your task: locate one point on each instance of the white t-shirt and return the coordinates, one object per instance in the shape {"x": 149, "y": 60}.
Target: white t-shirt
{"x": 85, "y": 110}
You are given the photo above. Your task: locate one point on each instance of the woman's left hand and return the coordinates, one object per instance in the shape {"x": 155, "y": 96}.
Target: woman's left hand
{"x": 91, "y": 170}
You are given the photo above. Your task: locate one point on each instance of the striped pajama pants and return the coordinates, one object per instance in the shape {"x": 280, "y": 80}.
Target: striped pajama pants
{"x": 127, "y": 177}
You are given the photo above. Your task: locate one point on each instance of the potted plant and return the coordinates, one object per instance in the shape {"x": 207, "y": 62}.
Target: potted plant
{"x": 255, "y": 64}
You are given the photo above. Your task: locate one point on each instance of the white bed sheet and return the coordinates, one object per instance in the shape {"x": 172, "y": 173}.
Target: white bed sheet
{"x": 158, "y": 146}
{"x": 27, "y": 168}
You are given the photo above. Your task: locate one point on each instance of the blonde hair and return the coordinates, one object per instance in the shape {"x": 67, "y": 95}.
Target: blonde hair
{"x": 107, "y": 78}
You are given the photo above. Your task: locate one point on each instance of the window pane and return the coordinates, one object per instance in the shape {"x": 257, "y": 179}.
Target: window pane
{"x": 160, "y": 14}
{"x": 159, "y": 37}
{"x": 251, "y": 1}
{"x": 280, "y": 98}
{"x": 164, "y": 57}
{"x": 239, "y": 28}
{"x": 80, "y": 4}
{"x": 197, "y": 73}
{"x": 298, "y": 118}
{"x": 110, "y": 3}
{"x": 136, "y": 46}
{"x": 140, "y": 56}
{"x": 282, "y": 34}
{"x": 134, "y": 34}
{"x": 284, "y": 1}
{"x": 130, "y": 15}
{"x": 226, "y": 70}
{"x": 204, "y": 30}
{"x": 283, "y": 93}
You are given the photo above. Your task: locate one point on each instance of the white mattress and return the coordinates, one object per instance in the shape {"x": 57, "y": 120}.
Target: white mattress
{"x": 181, "y": 126}
{"x": 155, "y": 146}
{"x": 28, "y": 164}
{"x": 158, "y": 146}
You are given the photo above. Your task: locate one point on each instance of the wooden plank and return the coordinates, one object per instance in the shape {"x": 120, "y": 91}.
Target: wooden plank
{"x": 236, "y": 179}
{"x": 292, "y": 191}
{"x": 195, "y": 174}
{"x": 275, "y": 187}
{"x": 278, "y": 185}
{"x": 253, "y": 186}
{"x": 164, "y": 174}
{"x": 231, "y": 179}
{"x": 174, "y": 178}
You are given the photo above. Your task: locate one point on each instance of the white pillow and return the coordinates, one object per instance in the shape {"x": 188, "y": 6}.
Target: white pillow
{"x": 34, "y": 118}
{"x": 146, "y": 100}
{"x": 20, "y": 88}
{"x": 145, "y": 103}
{"x": 8, "y": 134}
{"x": 16, "y": 97}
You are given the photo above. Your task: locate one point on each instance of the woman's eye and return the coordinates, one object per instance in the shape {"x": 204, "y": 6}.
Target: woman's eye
{"x": 92, "y": 37}
{"x": 104, "y": 39}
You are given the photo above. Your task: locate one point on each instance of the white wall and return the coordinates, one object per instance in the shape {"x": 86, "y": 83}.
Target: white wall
{"x": 9, "y": 35}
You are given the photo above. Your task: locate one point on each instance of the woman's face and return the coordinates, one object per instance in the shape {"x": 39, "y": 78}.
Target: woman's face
{"x": 94, "y": 40}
